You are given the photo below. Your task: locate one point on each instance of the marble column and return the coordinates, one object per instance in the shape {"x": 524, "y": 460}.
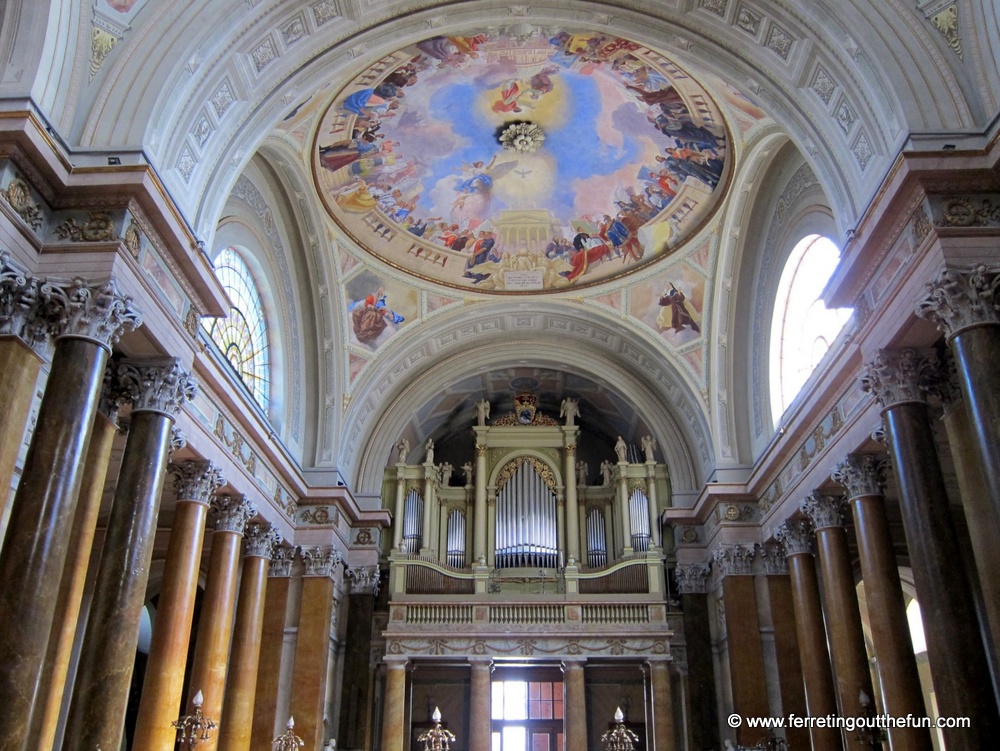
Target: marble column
{"x": 479, "y": 512}
{"x": 817, "y": 673}
{"x": 312, "y": 645}
{"x": 194, "y": 483}
{"x": 480, "y": 717}
{"x": 743, "y": 647}
{"x": 100, "y": 696}
{"x": 60, "y": 652}
{"x": 843, "y": 613}
{"x": 692, "y": 581}
{"x": 236, "y": 722}
{"x": 664, "y": 734}
{"x": 575, "y": 705}
{"x": 356, "y": 720}
{"x": 863, "y": 476}
{"x": 32, "y": 561}
{"x": 901, "y": 381}
{"x": 215, "y": 627}
{"x": 572, "y": 506}
{"x": 394, "y": 715}
{"x": 265, "y": 708}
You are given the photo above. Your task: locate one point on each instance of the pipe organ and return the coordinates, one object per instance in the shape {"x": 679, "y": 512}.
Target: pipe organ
{"x": 456, "y": 538}
{"x": 638, "y": 507}
{"x": 526, "y": 534}
{"x": 413, "y": 521}
{"x": 597, "y": 544}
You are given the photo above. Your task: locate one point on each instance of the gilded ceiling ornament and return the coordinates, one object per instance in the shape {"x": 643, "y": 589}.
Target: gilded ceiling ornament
{"x": 524, "y": 138}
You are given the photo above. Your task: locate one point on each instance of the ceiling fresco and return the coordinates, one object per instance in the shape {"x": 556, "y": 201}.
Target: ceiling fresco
{"x": 615, "y": 159}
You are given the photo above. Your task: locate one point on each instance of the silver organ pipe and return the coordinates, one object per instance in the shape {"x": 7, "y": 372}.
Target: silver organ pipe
{"x": 413, "y": 521}
{"x": 526, "y": 521}
{"x": 597, "y": 546}
{"x": 456, "y": 538}
{"x": 638, "y": 507}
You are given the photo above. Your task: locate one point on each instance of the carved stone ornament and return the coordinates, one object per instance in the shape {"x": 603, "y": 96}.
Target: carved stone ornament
{"x": 958, "y": 299}
{"x": 281, "y": 561}
{"x": 18, "y": 195}
{"x": 774, "y": 557}
{"x": 735, "y": 560}
{"x": 260, "y": 540}
{"x": 824, "y": 510}
{"x": 796, "y": 536}
{"x": 18, "y": 296}
{"x": 99, "y": 227}
{"x": 364, "y": 580}
{"x": 101, "y": 314}
{"x": 178, "y": 439}
{"x": 878, "y": 434}
{"x": 320, "y": 560}
{"x": 693, "y": 579}
{"x": 157, "y": 386}
{"x": 231, "y": 513}
{"x": 900, "y": 376}
{"x": 133, "y": 239}
{"x": 862, "y": 474}
{"x": 196, "y": 480}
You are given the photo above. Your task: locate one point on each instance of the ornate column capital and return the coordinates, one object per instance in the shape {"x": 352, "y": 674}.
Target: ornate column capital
{"x": 693, "y": 579}
{"x": 364, "y": 580}
{"x": 900, "y": 376}
{"x": 232, "y": 512}
{"x": 733, "y": 560}
{"x": 320, "y": 560}
{"x": 196, "y": 480}
{"x": 22, "y": 312}
{"x": 178, "y": 439}
{"x": 101, "y": 313}
{"x": 862, "y": 474}
{"x": 824, "y": 510}
{"x": 796, "y": 536}
{"x": 281, "y": 561}
{"x": 155, "y": 386}
{"x": 958, "y": 299}
{"x": 260, "y": 540}
{"x": 775, "y": 559}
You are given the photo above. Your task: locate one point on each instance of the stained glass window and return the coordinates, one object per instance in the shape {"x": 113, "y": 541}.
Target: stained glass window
{"x": 242, "y": 335}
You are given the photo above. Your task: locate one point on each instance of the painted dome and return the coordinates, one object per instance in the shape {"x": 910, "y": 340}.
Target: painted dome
{"x": 520, "y": 160}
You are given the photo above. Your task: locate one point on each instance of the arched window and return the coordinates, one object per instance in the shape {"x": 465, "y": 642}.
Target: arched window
{"x": 242, "y": 335}
{"x": 803, "y": 327}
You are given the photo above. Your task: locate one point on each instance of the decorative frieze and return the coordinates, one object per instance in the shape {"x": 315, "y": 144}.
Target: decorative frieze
{"x": 99, "y": 226}
{"x": 364, "y": 580}
{"x": 957, "y": 299}
{"x": 824, "y": 510}
{"x": 231, "y": 513}
{"x": 774, "y": 558}
{"x": 899, "y": 376}
{"x": 693, "y": 579}
{"x": 529, "y": 645}
{"x": 261, "y": 540}
{"x": 155, "y": 386}
{"x": 735, "y": 560}
{"x": 796, "y": 536}
{"x": 320, "y": 560}
{"x": 196, "y": 480}
{"x": 862, "y": 474}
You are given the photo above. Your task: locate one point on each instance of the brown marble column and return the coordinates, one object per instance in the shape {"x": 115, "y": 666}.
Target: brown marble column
{"x": 265, "y": 708}
{"x": 100, "y": 693}
{"x": 575, "y": 705}
{"x": 215, "y": 628}
{"x": 237, "y": 711}
{"x": 664, "y": 734}
{"x": 843, "y": 614}
{"x": 786, "y": 643}
{"x": 703, "y": 713}
{"x": 32, "y": 561}
{"x": 357, "y": 689}
{"x": 863, "y": 476}
{"x": 742, "y": 622}
{"x": 45, "y": 720}
{"x": 195, "y": 482}
{"x": 312, "y": 645}
{"x": 480, "y": 712}
{"x": 900, "y": 381}
{"x": 394, "y": 726}
{"x": 814, "y": 657}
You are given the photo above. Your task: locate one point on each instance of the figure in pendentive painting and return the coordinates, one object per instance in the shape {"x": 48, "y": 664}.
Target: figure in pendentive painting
{"x": 675, "y": 314}
{"x": 371, "y": 316}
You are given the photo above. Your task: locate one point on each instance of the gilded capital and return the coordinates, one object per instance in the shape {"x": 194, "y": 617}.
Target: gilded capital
{"x": 281, "y": 561}
{"x": 862, "y": 474}
{"x": 231, "y": 513}
{"x": 693, "y": 579}
{"x": 101, "y": 313}
{"x": 260, "y": 540}
{"x": 824, "y": 510}
{"x": 196, "y": 480}
{"x": 796, "y": 536}
{"x": 320, "y": 560}
{"x": 155, "y": 386}
{"x": 731, "y": 560}
{"x": 774, "y": 558}
{"x": 900, "y": 376}
{"x": 960, "y": 298}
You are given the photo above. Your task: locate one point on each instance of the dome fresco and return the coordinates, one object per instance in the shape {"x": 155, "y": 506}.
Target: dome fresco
{"x": 522, "y": 159}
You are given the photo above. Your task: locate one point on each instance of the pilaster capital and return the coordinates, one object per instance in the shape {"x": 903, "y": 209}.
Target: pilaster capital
{"x": 364, "y": 580}
{"x": 155, "y": 386}
{"x": 775, "y": 558}
{"x": 693, "y": 579}
{"x": 900, "y": 376}
{"x": 196, "y": 480}
{"x": 733, "y": 560}
{"x": 320, "y": 560}
{"x": 281, "y": 561}
{"x": 232, "y": 512}
{"x": 824, "y": 510}
{"x": 958, "y": 299}
{"x": 260, "y": 540}
{"x": 21, "y": 310}
{"x": 862, "y": 474}
{"x": 796, "y": 536}
{"x": 100, "y": 313}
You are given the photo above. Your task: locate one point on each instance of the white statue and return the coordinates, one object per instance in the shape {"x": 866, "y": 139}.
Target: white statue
{"x": 581, "y": 473}
{"x": 648, "y": 444}
{"x": 482, "y": 412}
{"x": 569, "y": 409}
{"x": 467, "y": 469}
{"x": 444, "y": 478}
{"x": 621, "y": 449}
{"x": 606, "y": 469}
{"x": 331, "y": 745}
{"x": 429, "y": 447}
{"x": 402, "y": 451}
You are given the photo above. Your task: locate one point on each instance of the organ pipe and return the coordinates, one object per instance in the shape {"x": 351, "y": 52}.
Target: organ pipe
{"x": 413, "y": 522}
{"x": 526, "y": 528}
{"x": 597, "y": 546}
{"x": 638, "y": 506}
